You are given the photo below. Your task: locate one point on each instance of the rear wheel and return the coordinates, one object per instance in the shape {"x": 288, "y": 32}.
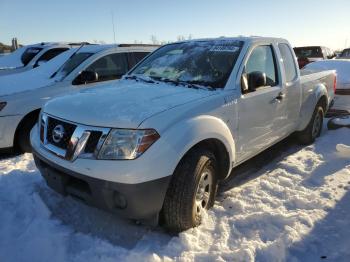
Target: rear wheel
{"x": 314, "y": 128}
{"x": 191, "y": 191}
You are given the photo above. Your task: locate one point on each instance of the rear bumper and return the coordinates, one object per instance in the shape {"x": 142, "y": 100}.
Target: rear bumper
{"x": 8, "y": 126}
{"x": 141, "y": 201}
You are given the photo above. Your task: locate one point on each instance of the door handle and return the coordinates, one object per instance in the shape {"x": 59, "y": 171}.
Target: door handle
{"x": 280, "y": 96}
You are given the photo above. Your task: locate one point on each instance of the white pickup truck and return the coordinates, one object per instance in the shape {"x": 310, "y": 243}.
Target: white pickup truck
{"x": 154, "y": 146}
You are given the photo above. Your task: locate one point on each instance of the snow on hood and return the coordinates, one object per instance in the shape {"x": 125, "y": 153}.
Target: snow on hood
{"x": 341, "y": 66}
{"x": 123, "y": 104}
{"x": 13, "y": 59}
{"x": 32, "y": 79}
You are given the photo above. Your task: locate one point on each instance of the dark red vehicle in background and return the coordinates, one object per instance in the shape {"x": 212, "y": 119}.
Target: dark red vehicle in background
{"x": 308, "y": 54}
{"x": 345, "y": 54}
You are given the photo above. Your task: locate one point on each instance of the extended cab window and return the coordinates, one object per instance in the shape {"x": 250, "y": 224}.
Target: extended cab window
{"x": 289, "y": 66}
{"x": 262, "y": 60}
{"x": 110, "y": 67}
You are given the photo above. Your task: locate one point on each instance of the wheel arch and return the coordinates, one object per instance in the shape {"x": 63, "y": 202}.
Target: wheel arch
{"x": 208, "y": 132}
{"x": 319, "y": 96}
{"x": 31, "y": 116}
{"x": 323, "y": 101}
{"x": 220, "y": 152}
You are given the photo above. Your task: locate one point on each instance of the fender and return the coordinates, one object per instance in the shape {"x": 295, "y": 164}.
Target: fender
{"x": 311, "y": 96}
{"x": 184, "y": 135}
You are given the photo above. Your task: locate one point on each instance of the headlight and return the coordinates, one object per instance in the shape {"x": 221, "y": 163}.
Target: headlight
{"x": 127, "y": 144}
{"x": 2, "y": 105}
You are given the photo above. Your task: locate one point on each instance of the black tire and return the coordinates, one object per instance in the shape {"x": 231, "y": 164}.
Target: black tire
{"x": 309, "y": 134}
{"x": 23, "y": 135}
{"x": 180, "y": 210}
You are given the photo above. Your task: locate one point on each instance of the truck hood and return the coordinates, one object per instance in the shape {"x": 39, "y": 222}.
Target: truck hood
{"x": 122, "y": 104}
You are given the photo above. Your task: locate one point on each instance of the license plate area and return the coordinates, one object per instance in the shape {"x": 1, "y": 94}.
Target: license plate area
{"x": 56, "y": 180}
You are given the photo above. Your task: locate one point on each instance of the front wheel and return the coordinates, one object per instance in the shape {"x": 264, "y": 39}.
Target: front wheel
{"x": 23, "y": 135}
{"x": 314, "y": 128}
{"x": 191, "y": 191}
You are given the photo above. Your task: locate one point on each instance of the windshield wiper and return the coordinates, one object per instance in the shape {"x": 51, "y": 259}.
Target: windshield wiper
{"x": 167, "y": 80}
{"x": 135, "y": 77}
{"x": 190, "y": 84}
{"x": 208, "y": 85}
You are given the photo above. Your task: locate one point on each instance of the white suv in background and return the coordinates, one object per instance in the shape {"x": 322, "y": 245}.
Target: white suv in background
{"x": 22, "y": 95}
{"x": 32, "y": 56}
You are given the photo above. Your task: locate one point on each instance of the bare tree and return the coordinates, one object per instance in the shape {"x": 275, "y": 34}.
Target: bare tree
{"x": 154, "y": 40}
{"x": 180, "y": 38}
{"x": 98, "y": 42}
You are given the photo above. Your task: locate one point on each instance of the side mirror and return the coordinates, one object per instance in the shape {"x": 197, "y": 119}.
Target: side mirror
{"x": 85, "y": 77}
{"x": 39, "y": 63}
{"x": 255, "y": 80}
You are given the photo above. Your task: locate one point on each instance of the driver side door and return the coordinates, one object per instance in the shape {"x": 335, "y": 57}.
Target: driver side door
{"x": 260, "y": 110}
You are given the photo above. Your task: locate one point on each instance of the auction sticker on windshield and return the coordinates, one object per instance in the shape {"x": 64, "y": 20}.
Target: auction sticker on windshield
{"x": 224, "y": 48}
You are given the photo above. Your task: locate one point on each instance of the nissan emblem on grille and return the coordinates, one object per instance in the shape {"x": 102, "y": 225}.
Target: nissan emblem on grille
{"x": 58, "y": 133}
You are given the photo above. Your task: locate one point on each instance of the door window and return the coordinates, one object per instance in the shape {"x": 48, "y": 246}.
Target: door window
{"x": 289, "y": 66}
{"x": 262, "y": 60}
{"x": 136, "y": 57}
{"x": 110, "y": 67}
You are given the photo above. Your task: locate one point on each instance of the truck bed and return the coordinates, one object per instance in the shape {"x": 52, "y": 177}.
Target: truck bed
{"x": 312, "y": 78}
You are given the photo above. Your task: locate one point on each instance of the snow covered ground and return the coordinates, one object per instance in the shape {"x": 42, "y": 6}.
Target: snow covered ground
{"x": 289, "y": 203}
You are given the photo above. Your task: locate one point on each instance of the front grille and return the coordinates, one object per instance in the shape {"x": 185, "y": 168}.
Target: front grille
{"x": 62, "y": 138}
{"x": 68, "y": 132}
{"x": 92, "y": 141}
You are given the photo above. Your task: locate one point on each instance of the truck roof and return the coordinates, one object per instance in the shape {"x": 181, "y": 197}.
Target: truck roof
{"x": 95, "y": 48}
{"x": 52, "y": 44}
{"x": 239, "y": 38}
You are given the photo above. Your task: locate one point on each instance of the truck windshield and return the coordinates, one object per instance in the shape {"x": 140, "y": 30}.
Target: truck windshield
{"x": 345, "y": 53}
{"x": 72, "y": 63}
{"x": 207, "y": 63}
{"x": 307, "y": 52}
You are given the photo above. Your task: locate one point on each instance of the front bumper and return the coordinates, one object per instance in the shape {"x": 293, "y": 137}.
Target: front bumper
{"x": 8, "y": 126}
{"x": 141, "y": 201}
{"x": 156, "y": 163}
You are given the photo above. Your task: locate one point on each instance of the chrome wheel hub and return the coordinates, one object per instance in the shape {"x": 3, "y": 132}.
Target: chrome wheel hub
{"x": 203, "y": 192}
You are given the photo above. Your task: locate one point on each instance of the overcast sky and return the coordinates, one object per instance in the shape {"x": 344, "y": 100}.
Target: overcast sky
{"x": 303, "y": 22}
